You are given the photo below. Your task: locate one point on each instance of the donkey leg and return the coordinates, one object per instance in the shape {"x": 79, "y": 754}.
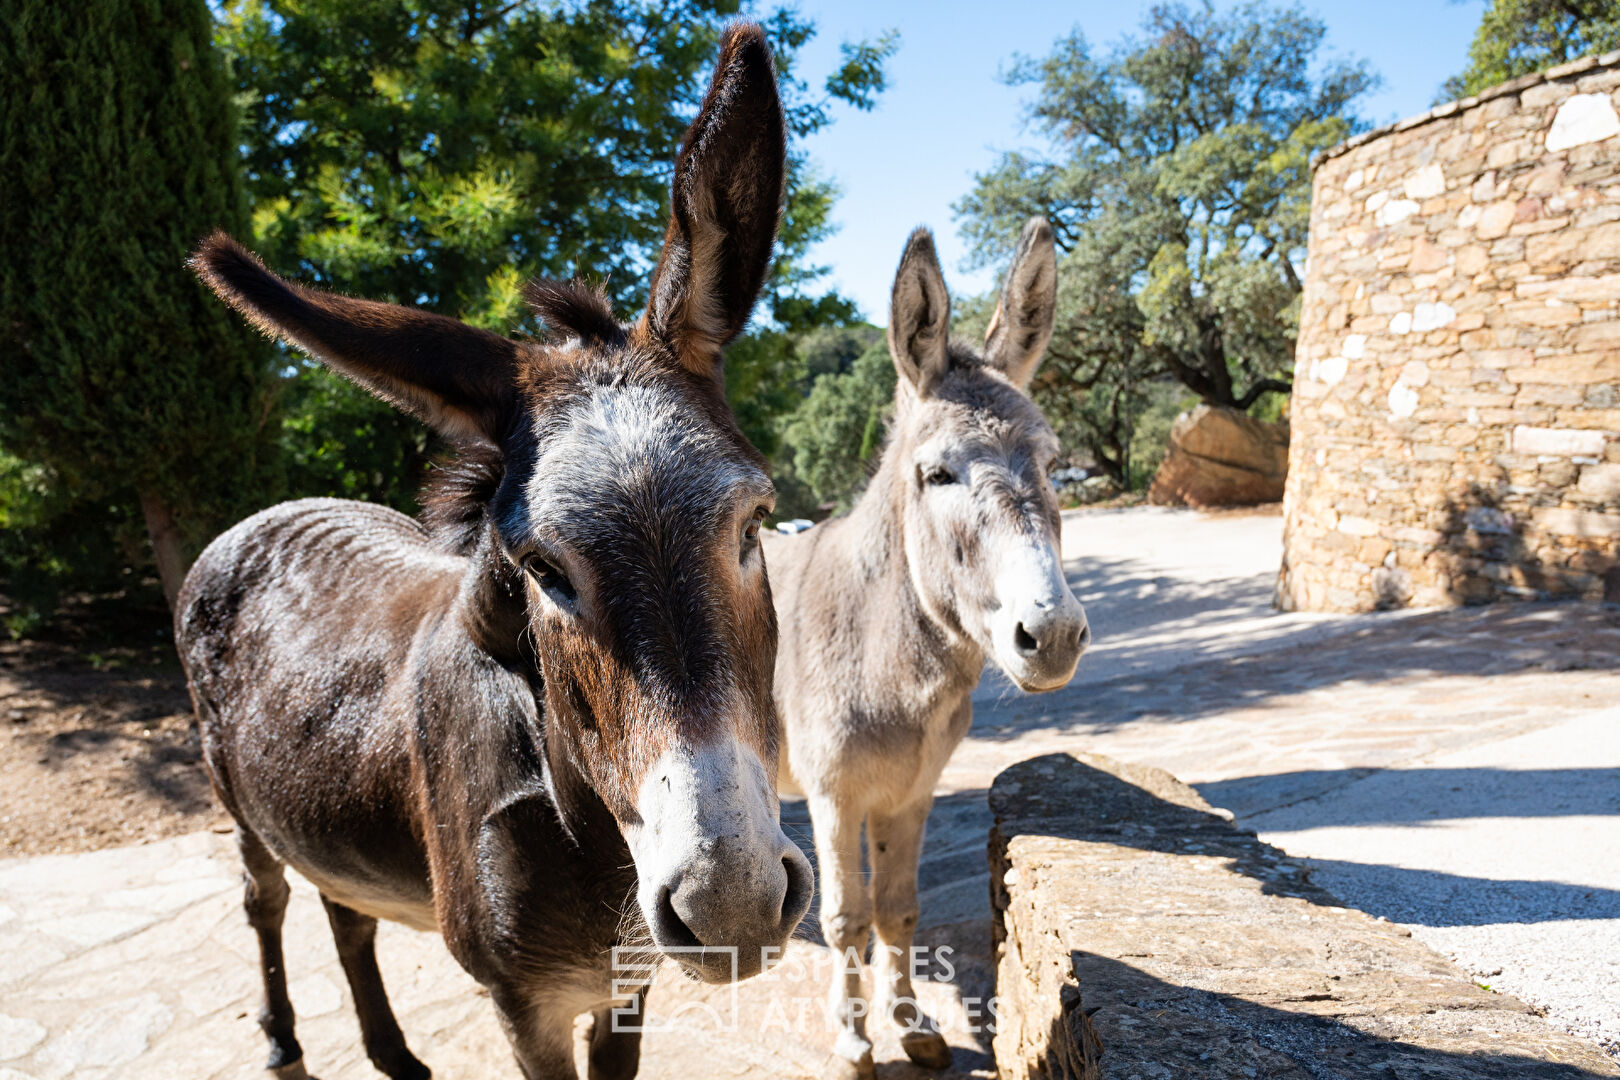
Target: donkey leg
{"x": 542, "y": 1039}
{"x": 356, "y": 937}
{"x": 616, "y": 1055}
{"x": 896, "y": 843}
{"x": 846, "y": 924}
{"x": 264, "y": 898}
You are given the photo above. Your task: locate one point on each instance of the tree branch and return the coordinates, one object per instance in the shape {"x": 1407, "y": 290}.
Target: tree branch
{"x": 1264, "y": 386}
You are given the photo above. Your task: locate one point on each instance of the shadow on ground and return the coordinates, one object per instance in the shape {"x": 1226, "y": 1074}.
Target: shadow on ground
{"x": 1433, "y": 898}
{"x": 952, "y": 876}
{"x": 1431, "y": 794}
{"x": 1309, "y": 656}
{"x": 97, "y": 747}
{"x": 1248, "y": 1038}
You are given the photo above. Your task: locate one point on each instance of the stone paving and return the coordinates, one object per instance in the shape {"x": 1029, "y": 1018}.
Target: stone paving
{"x": 136, "y": 962}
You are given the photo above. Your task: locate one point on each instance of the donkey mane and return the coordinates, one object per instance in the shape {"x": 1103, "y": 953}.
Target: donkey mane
{"x": 574, "y": 307}
{"x": 456, "y": 494}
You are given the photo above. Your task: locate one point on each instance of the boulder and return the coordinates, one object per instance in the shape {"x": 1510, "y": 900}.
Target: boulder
{"x": 1221, "y": 457}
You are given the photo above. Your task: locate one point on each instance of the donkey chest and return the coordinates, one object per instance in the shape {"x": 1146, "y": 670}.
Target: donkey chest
{"x": 943, "y": 727}
{"x": 891, "y": 756}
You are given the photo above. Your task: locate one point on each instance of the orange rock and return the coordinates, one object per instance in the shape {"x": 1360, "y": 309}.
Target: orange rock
{"x": 1221, "y": 457}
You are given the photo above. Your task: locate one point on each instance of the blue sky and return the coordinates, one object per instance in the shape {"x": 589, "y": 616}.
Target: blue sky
{"x": 946, "y": 115}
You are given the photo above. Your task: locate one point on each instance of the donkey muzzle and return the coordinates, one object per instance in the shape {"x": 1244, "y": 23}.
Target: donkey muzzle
{"x": 1039, "y": 630}
{"x": 720, "y": 884}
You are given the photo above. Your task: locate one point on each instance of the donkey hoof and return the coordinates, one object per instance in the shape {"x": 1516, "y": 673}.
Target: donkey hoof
{"x": 926, "y": 1048}
{"x": 293, "y": 1070}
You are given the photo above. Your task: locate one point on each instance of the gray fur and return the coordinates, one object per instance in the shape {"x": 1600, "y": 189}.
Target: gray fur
{"x": 888, "y": 615}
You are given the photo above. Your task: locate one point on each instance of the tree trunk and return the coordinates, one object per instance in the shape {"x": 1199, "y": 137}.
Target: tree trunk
{"x": 167, "y": 549}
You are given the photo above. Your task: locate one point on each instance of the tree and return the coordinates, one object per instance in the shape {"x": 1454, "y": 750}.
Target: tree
{"x": 441, "y": 152}
{"x": 1178, "y": 187}
{"x": 118, "y": 152}
{"x": 834, "y": 436}
{"x": 1516, "y": 37}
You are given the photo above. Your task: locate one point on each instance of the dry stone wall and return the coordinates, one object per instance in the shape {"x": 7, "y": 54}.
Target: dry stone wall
{"x": 1139, "y": 934}
{"x": 1456, "y": 403}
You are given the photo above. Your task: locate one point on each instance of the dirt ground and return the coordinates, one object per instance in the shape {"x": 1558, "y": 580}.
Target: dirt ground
{"x": 97, "y": 744}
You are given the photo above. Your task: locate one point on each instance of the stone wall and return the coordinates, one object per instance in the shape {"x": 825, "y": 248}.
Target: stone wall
{"x": 1140, "y": 934}
{"x": 1456, "y": 404}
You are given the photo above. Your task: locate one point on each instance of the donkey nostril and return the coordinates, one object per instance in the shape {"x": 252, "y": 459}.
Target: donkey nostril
{"x": 1025, "y": 641}
{"x": 671, "y": 930}
{"x": 796, "y": 898}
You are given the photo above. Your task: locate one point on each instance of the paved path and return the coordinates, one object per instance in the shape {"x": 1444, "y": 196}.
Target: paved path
{"x": 1457, "y": 771}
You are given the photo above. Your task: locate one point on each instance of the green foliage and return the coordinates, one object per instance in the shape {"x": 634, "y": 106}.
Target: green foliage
{"x": 833, "y": 350}
{"x": 336, "y": 442}
{"x": 424, "y": 151}
{"x": 763, "y": 378}
{"x": 1517, "y": 37}
{"x": 121, "y": 373}
{"x": 834, "y": 437}
{"x": 441, "y": 152}
{"x": 1178, "y": 186}
{"x": 52, "y": 542}
{"x": 1161, "y": 403}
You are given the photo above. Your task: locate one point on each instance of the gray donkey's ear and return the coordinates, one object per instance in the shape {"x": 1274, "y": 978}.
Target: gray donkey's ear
{"x": 920, "y": 315}
{"x": 1021, "y": 328}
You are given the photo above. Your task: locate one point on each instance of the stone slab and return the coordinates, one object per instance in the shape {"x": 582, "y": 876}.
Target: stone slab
{"x": 1140, "y": 934}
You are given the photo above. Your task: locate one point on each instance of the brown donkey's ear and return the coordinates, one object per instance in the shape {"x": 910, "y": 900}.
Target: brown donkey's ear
{"x": 920, "y": 315}
{"x": 1021, "y": 328}
{"x": 455, "y": 377}
{"x": 724, "y": 206}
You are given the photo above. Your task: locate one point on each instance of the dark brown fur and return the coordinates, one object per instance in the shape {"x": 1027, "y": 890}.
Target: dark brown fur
{"x": 396, "y": 709}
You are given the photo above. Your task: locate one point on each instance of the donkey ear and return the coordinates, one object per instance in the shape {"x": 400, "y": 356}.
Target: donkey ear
{"x": 1021, "y": 328}
{"x": 920, "y": 315}
{"x": 724, "y": 206}
{"x": 454, "y": 377}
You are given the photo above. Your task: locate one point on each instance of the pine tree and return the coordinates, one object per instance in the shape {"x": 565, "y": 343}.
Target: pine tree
{"x": 119, "y": 373}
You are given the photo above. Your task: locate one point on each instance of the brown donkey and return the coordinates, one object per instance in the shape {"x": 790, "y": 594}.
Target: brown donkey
{"x": 539, "y": 722}
{"x": 889, "y": 614}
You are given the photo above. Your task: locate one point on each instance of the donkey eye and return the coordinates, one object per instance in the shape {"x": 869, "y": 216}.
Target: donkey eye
{"x": 939, "y": 475}
{"x": 552, "y": 581}
{"x": 752, "y": 531}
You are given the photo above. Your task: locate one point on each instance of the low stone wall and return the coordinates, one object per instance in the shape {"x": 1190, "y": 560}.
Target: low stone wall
{"x": 1139, "y": 934}
{"x": 1456, "y": 405}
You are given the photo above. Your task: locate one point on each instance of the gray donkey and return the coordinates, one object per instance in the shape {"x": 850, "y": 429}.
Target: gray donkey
{"x": 888, "y": 614}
